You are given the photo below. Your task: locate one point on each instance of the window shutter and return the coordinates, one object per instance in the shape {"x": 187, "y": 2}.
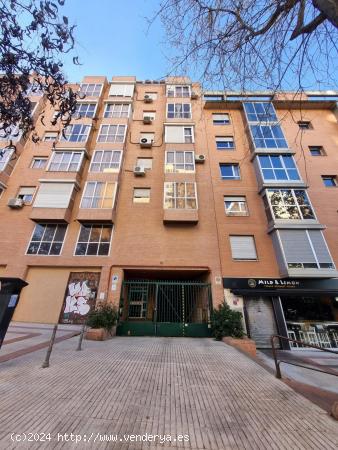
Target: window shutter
{"x": 174, "y": 134}
{"x": 121, "y": 90}
{"x": 320, "y": 247}
{"x": 26, "y": 191}
{"x": 243, "y": 247}
{"x": 220, "y": 116}
{"x": 54, "y": 195}
{"x": 296, "y": 246}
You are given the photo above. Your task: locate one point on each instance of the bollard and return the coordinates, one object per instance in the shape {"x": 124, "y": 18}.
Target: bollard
{"x": 79, "y": 346}
{"x": 50, "y": 348}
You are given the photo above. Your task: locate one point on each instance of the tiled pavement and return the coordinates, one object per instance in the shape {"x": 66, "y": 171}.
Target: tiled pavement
{"x": 159, "y": 386}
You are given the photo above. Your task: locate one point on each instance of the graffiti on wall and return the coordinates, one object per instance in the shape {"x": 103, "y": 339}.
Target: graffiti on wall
{"x": 80, "y": 296}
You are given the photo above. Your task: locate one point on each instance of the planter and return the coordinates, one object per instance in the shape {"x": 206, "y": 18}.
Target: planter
{"x": 246, "y": 345}
{"x": 99, "y": 334}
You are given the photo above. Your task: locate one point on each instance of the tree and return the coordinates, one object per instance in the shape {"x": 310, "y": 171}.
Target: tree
{"x": 32, "y": 38}
{"x": 246, "y": 43}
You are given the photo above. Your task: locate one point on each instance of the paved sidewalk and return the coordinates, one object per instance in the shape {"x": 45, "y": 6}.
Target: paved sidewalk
{"x": 164, "y": 386}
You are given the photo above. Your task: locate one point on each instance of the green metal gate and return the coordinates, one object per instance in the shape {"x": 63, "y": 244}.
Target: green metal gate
{"x": 165, "y": 308}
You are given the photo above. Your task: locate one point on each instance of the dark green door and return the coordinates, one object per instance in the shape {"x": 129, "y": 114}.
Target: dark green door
{"x": 165, "y": 308}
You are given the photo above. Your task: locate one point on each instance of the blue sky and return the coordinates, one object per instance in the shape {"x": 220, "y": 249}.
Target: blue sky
{"x": 113, "y": 39}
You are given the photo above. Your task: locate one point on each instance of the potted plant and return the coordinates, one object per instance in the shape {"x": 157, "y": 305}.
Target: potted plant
{"x": 227, "y": 326}
{"x": 102, "y": 323}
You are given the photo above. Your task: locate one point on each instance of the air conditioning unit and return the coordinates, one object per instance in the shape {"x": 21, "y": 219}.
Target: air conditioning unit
{"x": 194, "y": 95}
{"x": 148, "y": 99}
{"x": 146, "y": 142}
{"x": 199, "y": 158}
{"x": 139, "y": 171}
{"x": 15, "y": 203}
{"x": 147, "y": 119}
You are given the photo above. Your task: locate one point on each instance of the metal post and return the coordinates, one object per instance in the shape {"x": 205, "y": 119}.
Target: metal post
{"x": 274, "y": 353}
{"x": 50, "y": 347}
{"x": 79, "y": 345}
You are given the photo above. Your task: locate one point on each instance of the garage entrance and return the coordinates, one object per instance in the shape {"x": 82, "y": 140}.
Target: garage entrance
{"x": 165, "y": 308}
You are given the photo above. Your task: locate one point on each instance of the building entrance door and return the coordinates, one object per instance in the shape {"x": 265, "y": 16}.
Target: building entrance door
{"x": 261, "y": 320}
{"x": 165, "y": 308}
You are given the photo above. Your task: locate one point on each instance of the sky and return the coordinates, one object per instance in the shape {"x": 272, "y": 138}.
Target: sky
{"x": 112, "y": 38}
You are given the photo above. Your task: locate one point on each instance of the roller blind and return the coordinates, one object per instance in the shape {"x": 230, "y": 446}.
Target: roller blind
{"x": 296, "y": 246}
{"x": 174, "y": 134}
{"x": 121, "y": 90}
{"x": 243, "y": 247}
{"x": 320, "y": 247}
{"x": 54, "y": 195}
{"x": 220, "y": 116}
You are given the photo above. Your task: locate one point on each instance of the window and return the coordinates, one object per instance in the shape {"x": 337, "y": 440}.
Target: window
{"x": 121, "y": 90}
{"x": 235, "y": 206}
{"x": 75, "y": 133}
{"x": 225, "y": 142}
{"x": 179, "y": 111}
{"x": 38, "y": 163}
{"x": 65, "y": 162}
{"x": 117, "y": 110}
{"x": 98, "y": 195}
{"x": 54, "y": 195}
{"x": 90, "y": 90}
{"x": 111, "y": 133}
{"x": 316, "y": 150}
{"x": 268, "y": 136}
{"x": 26, "y": 194}
{"x": 229, "y": 171}
{"x": 180, "y": 195}
{"x": 260, "y": 112}
{"x": 5, "y": 157}
{"x": 289, "y": 204}
{"x": 94, "y": 240}
{"x": 1, "y": 190}
{"x": 278, "y": 167}
{"x": 47, "y": 239}
{"x": 178, "y": 91}
{"x": 106, "y": 161}
{"x": 179, "y": 162}
{"x": 85, "y": 110}
{"x": 146, "y": 163}
{"x": 305, "y": 249}
{"x": 12, "y": 133}
{"x": 329, "y": 180}
{"x": 304, "y": 125}
{"x": 221, "y": 119}
{"x": 141, "y": 195}
{"x": 177, "y": 134}
{"x": 50, "y": 136}
{"x": 243, "y": 247}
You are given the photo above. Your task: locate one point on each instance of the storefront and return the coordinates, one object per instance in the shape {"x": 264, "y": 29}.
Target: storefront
{"x": 301, "y": 309}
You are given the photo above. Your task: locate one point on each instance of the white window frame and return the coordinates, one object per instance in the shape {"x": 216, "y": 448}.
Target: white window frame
{"x": 244, "y": 236}
{"x": 84, "y": 115}
{"x": 46, "y": 224}
{"x": 144, "y": 158}
{"x": 292, "y": 190}
{"x": 116, "y": 114}
{"x": 179, "y": 114}
{"x": 243, "y": 212}
{"x": 102, "y": 198}
{"x": 107, "y": 169}
{"x": 91, "y": 226}
{"x": 81, "y": 153}
{"x": 6, "y": 159}
{"x": 225, "y": 139}
{"x": 176, "y": 197}
{"x": 39, "y": 158}
{"x": 221, "y": 122}
{"x": 115, "y": 135}
{"x": 286, "y": 169}
{"x": 68, "y": 132}
{"x": 15, "y": 134}
{"x": 147, "y": 199}
{"x": 49, "y": 134}
{"x": 18, "y": 195}
{"x": 232, "y": 166}
{"x": 87, "y": 87}
{"x": 175, "y": 88}
{"x": 175, "y": 163}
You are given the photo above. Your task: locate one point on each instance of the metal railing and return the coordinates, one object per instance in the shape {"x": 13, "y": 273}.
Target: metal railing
{"x": 303, "y": 344}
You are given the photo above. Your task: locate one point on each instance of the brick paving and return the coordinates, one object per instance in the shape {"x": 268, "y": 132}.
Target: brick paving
{"x": 164, "y": 386}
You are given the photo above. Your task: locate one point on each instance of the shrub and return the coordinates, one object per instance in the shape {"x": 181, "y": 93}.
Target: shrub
{"x": 226, "y": 322}
{"x": 104, "y": 316}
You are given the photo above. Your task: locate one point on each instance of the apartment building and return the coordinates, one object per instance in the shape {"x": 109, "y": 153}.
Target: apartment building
{"x": 165, "y": 201}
